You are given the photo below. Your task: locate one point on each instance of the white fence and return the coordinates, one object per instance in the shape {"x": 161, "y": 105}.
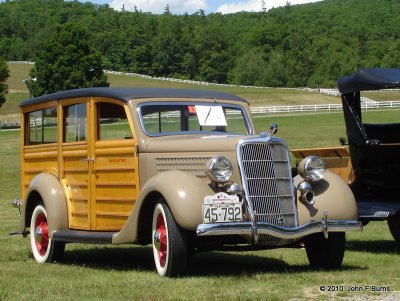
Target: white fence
{"x": 323, "y": 107}
{"x": 366, "y": 103}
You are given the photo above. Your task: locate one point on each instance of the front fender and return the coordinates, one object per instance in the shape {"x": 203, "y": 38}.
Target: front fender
{"x": 331, "y": 194}
{"x": 47, "y": 188}
{"x": 184, "y": 194}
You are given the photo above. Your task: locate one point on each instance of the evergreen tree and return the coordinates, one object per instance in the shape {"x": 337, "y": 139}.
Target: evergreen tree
{"x": 67, "y": 61}
{"x": 263, "y": 7}
{"x": 4, "y": 73}
{"x": 167, "y": 11}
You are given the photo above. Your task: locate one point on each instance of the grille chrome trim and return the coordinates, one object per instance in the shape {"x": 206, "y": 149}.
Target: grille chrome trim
{"x": 265, "y": 171}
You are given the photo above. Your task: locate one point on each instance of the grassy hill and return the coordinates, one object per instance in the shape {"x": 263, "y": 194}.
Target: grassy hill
{"x": 256, "y": 96}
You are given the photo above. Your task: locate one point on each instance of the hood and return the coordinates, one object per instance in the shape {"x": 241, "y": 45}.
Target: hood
{"x": 192, "y": 143}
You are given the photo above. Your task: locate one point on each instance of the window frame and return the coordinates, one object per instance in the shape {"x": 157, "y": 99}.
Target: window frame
{"x": 64, "y": 123}
{"x": 98, "y": 103}
{"x": 27, "y": 126}
{"x": 250, "y": 130}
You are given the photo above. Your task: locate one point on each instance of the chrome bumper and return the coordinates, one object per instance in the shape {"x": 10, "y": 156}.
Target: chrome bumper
{"x": 247, "y": 228}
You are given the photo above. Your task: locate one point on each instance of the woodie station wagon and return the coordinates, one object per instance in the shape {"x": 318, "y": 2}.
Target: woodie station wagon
{"x": 182, "y": 170}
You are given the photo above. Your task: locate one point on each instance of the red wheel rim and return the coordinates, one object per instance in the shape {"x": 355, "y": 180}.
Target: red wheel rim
{"x": 162, "y": 250}
{"x": 41, "y": 234}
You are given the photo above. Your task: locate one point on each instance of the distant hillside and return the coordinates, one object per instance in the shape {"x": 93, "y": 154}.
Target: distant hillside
{"x": 302, "y": 45}
{"x": 257, "y": 97}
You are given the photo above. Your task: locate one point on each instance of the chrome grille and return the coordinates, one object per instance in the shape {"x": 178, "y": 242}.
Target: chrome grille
{"x": 267, "y": 182}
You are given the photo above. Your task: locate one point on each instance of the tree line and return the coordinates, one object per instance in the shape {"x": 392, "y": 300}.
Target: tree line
{"x": 296, "y": 45}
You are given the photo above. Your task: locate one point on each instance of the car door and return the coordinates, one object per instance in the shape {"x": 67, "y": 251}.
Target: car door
{"x": 115, "y": 167}
{"x": 76, "y": 161}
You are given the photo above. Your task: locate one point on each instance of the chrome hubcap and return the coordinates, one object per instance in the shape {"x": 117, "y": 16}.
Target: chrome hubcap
{"x": 38, "y": 234}
{"x": 157, "y": 239}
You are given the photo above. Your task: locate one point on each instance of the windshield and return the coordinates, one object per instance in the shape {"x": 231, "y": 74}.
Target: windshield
{"x": 183, "y": 118}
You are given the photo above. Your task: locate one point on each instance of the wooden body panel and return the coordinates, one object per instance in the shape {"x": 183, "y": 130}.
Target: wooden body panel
{"x": 100, "y": 178}
{"x": 116, "y": 183}
{"x": 37, "y": 159}
{"x": 76, "y": 182}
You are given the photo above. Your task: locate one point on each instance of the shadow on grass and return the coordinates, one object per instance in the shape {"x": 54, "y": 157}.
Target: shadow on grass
{"x": 201, "y": 264}
{"x": 374, "y": 246}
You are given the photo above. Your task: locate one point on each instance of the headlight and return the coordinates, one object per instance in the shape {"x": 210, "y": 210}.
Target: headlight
{"x": 219, "y": 169}
{"x": 312, "y": 168}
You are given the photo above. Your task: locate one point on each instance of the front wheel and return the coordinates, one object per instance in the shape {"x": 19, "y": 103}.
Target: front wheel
{"x": 169, "y": 243}
{"x": 44, "y": 249}
{"x": 394, "y": 227}
{"x": 326, "y": 253}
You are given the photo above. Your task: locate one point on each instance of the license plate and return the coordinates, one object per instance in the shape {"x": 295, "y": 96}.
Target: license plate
{"x": 222, "y": 208}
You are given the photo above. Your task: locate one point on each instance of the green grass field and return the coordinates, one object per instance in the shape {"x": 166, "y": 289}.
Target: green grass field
{"x": 96, "y": 272}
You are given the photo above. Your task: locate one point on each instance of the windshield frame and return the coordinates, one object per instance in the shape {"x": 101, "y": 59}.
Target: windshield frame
{"x": 247, "y": 119}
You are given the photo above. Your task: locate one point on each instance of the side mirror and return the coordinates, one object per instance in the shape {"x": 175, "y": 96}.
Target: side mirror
{"x": 273, "y": 129}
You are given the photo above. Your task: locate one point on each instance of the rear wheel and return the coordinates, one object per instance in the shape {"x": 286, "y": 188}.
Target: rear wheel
{"x": 169, "y": 243}
{"x": 326, "y": 253}
{"x": 394, "y": 227}
{"x": 44, "y": 249}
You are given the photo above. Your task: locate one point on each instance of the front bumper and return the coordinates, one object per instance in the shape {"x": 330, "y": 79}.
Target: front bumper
{"x": 248, "y": 228}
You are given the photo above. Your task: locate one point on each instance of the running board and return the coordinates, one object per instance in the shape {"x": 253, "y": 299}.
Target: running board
{"x": 71, "y": 236}
{"x": 376, "y": 211}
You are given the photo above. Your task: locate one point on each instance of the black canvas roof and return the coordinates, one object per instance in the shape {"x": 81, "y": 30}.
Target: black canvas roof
{"x": 370, "y": 79}
{"x": 126, "y": 94}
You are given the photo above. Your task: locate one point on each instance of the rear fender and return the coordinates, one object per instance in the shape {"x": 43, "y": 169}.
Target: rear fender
{"x": 46, "y": 188}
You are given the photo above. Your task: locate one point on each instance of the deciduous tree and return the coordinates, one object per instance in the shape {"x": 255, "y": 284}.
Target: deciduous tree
{"x": 67, "y": 61}
{"x": 4, "y": 73}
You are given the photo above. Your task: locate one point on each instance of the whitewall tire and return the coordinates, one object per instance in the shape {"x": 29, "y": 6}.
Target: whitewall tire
{"x": 169, "y": 243}
{"x": 43, "y": 248}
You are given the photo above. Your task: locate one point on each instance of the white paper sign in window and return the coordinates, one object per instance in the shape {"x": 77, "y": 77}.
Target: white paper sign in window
{"x": 211, "y": 116}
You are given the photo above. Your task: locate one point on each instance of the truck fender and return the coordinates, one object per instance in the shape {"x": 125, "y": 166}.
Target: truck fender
{"x": 331, "y": 194}
{"x": 46, "y": 188}
{"x": 184, "y": 194}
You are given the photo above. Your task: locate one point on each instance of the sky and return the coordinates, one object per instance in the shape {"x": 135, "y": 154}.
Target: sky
{"x": 191, "y": 6}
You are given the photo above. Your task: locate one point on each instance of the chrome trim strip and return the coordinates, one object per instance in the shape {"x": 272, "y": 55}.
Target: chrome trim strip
{"x": 249, "y": 204}
{"x": 246, "y": 228}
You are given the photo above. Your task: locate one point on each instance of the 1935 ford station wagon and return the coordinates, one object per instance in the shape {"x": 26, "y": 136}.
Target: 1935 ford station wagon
{"x": 182, "y": 170}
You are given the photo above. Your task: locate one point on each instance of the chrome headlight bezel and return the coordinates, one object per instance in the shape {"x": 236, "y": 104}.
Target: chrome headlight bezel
{"x": 312, "y": 168}
{"x": 219, "y": 169}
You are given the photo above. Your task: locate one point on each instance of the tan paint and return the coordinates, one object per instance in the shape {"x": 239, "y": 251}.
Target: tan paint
{"x": 53, "y": 197}
{"x": 333, "y": 195}
{"x": 149, "y": 163}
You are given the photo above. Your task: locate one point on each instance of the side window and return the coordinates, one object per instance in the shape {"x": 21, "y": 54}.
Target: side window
{"x": 75, "y": 128}
{"x": 112, "y": 122}
{"x": 41, "y": 127}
